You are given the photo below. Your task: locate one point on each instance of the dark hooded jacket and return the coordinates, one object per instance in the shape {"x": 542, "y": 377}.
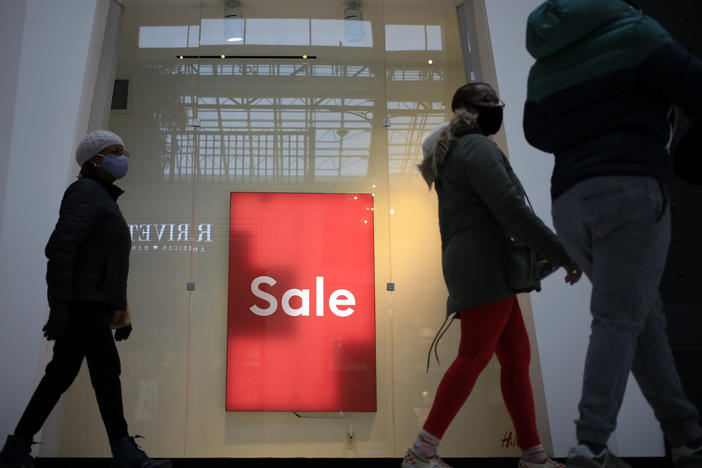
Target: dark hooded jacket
{"x": 88, "y": 250}
{"x": 601, "y": 90}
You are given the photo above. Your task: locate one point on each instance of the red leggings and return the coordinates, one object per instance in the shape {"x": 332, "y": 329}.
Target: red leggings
{"x": 486, "y": 329}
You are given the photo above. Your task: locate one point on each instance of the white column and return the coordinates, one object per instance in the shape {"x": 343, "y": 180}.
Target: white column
{"x": 561, "y": 312}
{"x": 51, "y": 53}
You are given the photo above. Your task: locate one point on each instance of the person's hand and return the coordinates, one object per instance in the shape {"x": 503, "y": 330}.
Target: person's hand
{"x": 121, "y": 318}
{"x": 573, "y": 272}
{"x": 123, "y": 333}
{"x": 58, "y": 321}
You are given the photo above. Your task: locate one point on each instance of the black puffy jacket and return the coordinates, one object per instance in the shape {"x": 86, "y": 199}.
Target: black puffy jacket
{"x": 89, "y": 249}
{"x": 600, "y": 92}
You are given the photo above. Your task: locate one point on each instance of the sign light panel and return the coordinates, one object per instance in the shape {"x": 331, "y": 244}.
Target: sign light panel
{"x": 301, "y": 324}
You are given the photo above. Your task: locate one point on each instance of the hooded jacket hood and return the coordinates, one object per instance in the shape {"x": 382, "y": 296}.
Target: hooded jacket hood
{"x": 575, "y": 41}
{"x": 558, "y": 24}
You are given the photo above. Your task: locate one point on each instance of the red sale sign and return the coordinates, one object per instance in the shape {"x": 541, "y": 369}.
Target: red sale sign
{"x": 301, "y": 326}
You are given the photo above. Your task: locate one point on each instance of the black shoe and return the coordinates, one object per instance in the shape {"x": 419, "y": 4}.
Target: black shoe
{"x": 127, "y": 454}
{"x": 689, "y": 458}
{"x": 16, "y": 453}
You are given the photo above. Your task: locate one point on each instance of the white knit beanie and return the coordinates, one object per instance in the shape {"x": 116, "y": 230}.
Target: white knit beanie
{"x": 95, "y": 142}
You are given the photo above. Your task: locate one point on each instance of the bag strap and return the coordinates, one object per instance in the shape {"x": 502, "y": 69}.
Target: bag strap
{"x": 439, "y": 334}
{"x": 519, "y": 185}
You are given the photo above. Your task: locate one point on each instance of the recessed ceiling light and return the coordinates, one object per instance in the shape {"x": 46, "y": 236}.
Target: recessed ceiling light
{"x": 430, "y": 61}
{"x": 233, "y": 21}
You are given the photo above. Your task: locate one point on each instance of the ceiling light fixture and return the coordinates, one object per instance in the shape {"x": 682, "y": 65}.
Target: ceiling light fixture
{"x": 233, "y": 22}
{"x": 353, "y": 21}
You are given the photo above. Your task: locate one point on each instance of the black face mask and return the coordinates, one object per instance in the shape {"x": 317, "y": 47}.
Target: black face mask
{"x": 490, "y": 119}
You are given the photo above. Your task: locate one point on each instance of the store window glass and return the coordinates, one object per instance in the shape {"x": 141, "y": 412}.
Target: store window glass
{"x": 298, "y": 107}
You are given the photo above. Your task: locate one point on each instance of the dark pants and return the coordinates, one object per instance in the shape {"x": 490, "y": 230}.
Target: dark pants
{"x": 89, "y": 336}
{"x": 617, "y": 229}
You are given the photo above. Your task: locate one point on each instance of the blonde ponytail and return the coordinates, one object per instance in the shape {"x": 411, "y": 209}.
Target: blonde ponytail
{"x": 463, "y": 122}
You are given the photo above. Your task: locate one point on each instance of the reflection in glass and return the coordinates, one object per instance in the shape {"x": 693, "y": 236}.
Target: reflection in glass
{"x": 168, "y": 36}
{"x": 234, "y": 30}
{"x": 292, "y": 32}
{"x": 259, "y": 31}
{"x": 276, "y": 138}
{"x": 298, "y": 69}
{"x": 412, "y": 122}
{"x": 268, "y": 139}
{"x": 204, "y": 128}
{"x": 412, "y": 37}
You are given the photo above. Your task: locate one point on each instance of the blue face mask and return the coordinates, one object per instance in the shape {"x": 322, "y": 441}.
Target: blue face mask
{"x": 116, "y": 166}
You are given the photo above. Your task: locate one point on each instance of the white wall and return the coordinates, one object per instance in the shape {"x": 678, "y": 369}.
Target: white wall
{"x": 48, "y": 86}
{"x": 107, "y": 66}
{"x": 11, "y": 25}
{"x": 561, "y": 312}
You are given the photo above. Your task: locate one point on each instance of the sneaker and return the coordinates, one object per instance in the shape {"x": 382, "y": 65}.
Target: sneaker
{"x": 127, "y": 454}
{"x": 548, "y": 463}
{"x": 582, "y": 457}
{"x": 684, "y": 457}
{"x": 16, "y": 453}
{"x": 412, "y": 460}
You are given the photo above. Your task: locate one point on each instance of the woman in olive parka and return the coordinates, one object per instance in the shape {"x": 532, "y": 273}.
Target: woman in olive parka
{"x": 481, "y": 203}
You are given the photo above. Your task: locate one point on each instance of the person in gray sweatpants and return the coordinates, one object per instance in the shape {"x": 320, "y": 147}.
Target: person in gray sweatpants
{"x": 599, "y": 98}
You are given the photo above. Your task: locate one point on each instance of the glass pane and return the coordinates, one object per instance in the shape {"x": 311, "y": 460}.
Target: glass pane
{"x": 423, "y": 69}
{"x": 292, "y": 178}
{"x": 157, "y": 204}
{"x": 274, "y": 200}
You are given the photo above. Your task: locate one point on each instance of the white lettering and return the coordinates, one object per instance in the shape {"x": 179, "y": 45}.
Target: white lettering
{"x": 320, "y": 295}
{"x": 341, "y": 301}
{"x": 171, "y": 232}
{"x": 205, "y": 230}
{"x": 183, "y": 232}
{"x": 341, "y": 297}
{"x": 304, "y": 309}
{"x": 256, "y": 290}
{"x": 159, "y": 232}
{"x": 144, "y": 233}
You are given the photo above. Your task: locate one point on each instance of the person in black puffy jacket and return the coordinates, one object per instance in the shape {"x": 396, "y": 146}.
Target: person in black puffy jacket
{"x": 88, "y": 263}
{"x": 600, "y": 97}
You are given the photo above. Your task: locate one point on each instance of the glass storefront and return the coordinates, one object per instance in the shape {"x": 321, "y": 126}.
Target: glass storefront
{"x": 305, "y": 102}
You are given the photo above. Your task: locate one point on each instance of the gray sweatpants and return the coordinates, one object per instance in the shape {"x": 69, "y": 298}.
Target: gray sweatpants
{"x": 617, "y": 229}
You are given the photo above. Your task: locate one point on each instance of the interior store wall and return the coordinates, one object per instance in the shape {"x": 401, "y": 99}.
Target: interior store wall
{"x": 47, "y": 81}
{"x": 561, "y": 312}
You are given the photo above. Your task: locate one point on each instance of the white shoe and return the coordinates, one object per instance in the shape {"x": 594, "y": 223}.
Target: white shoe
{"x": 546, "y": 464}
{"x": 412, "y": 460}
